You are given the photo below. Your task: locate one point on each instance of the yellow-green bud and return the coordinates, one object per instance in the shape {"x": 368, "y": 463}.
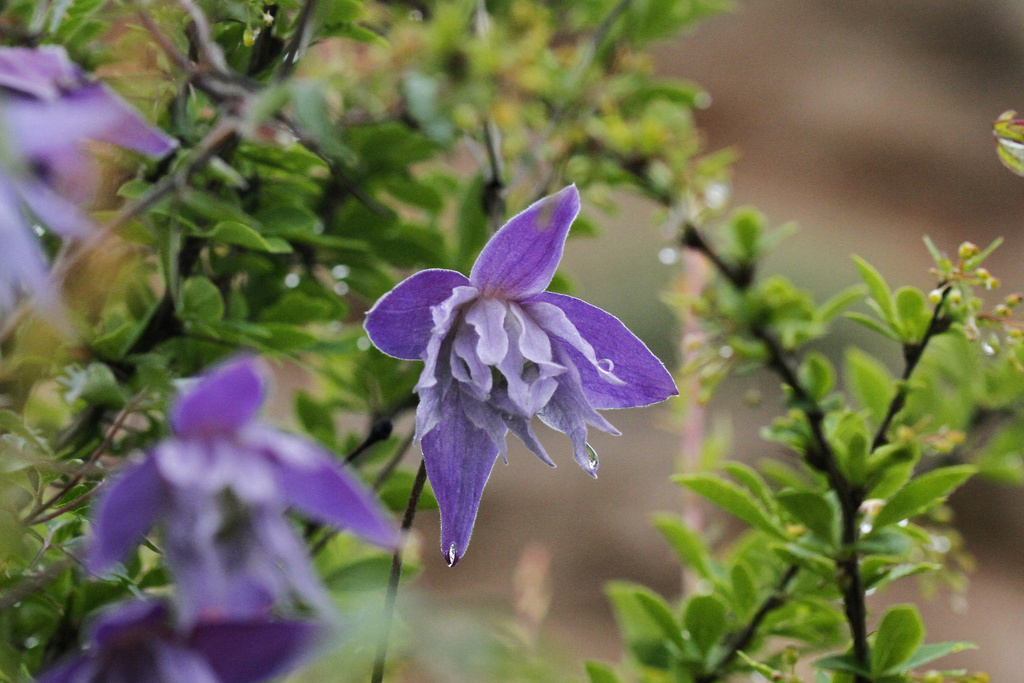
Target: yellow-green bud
{"x": 968, "y": 249}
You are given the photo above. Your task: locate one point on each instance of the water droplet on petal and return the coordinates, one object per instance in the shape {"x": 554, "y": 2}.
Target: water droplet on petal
{"x": 593, "y": 458}
{"x": 452, "y": 557}
{"x": 606, "y": 364}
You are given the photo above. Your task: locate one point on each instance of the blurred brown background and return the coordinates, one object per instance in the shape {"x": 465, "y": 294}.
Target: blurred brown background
{"x": 868, "y": 122}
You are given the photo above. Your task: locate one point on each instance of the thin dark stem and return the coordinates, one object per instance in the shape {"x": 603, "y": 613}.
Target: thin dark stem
{"x": 300, "y": 40}
{"x": 912, "y": 354}
{"x": 385, "y": 472}
{"x": 819, "y": 456}
{"x": 33, "y": 517}
{"x": 396, "y": 575}
{"x": 380, "y": 430}
{"x": 742, "y": 639}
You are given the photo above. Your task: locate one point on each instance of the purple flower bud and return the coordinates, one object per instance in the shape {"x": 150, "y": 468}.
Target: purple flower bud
{"x": 499, "y": 350}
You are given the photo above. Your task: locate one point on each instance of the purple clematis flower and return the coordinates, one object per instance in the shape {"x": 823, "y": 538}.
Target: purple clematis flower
{"x": 498, "y": 349}
{"x": 219, "y": 488}
{"x": 48, "y": 111}
{"x": 134, "y": 642}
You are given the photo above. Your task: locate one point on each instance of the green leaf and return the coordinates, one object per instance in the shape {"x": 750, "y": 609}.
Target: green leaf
{"x": 600, "y": 673}
{"x": 731, "y": 498}
{"x": 878, "y": 289}
{"x": 705, "y": 621}
{"x": 688, "y": 544}
{"x": 869, "y": 382}
{"x": 241, "y": 235}
{"x": 315, "y": 417}
{"x": 872, "y": 325}
{"x": 923, "y": 493}
{"x": 912, "y": 312}
{"x": 835, "y": 304}
{"x": 900, "y": 632}
{"x": 748, "y": 476}
{"x": 929, "y": 653}
{"x": 201, "y": 300}
{"x": 816, "y": 375}
{"x": 640, "y": 632}
{"x": 661, "y": 614}
{"x": 813, "y": 511}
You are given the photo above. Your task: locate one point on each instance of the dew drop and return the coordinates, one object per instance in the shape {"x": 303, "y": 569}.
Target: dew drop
{"x": 363, "y": 344}
{"x": 865, "y": 527}
{"x": 606, "y": 364}
{"x": 341, "y": 288}
{"x": 340, "y": 271}
{"x": 726, "y": 352}
{"x": 988, "y": 349}
{"x": 452, "y": 557}
{"x": 38, "y": 230}
{"x": 291, "y": 280}
{"x": 592, "y": 454}
{"x": 668, "y": 256}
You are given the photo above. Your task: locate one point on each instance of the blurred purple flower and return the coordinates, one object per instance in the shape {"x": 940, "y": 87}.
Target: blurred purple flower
{"x": 219, "y": 487}
{"x": 49, "y": 109}
{"x": 498, "y": 350}
{"x": 133, "y": 642}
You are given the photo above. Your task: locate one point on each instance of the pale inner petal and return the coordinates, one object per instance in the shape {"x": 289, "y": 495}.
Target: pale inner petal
{"x": 554, "y": 321}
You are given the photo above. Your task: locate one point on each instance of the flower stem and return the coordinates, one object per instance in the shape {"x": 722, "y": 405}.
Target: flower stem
{"x": 396, "y": 575}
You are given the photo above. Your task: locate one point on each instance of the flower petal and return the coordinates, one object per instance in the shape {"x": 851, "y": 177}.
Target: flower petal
{"x": 400, "y": 323}
{"x": 325, "y": 492}
{"x": 175, "y": 663}
{"x": 124, "y": 513}
{"x": 77, "y": 670}
{"x": 487, "y": 317}
{"x": 92, "y": 112}
{"x": 521, "y": 258}
{"x": 40, "y": 72}
{"x": 459, "y": 457}
{"x": 252, "y": 651}
{"x": 570, "y": 412}
{"x": 222, "y": 401}
{"x": 645, "y": 378}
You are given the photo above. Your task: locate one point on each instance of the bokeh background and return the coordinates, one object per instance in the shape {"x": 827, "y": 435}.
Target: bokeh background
{"x": 868, "y": 123}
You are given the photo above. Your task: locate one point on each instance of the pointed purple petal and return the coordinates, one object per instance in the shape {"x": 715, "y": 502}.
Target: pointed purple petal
{"x": 321, "y": 489}
{"x": 253, "y": 651}
{"x": 646, "y": 379}
{"x": 125, "y": 513}
{"x": 459, "y": 458}
{"x": 222, "y": 401}
{"x": 521, "y": 258}
{"x": 93, "y": 112}
{"x": 400, "y": 323}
